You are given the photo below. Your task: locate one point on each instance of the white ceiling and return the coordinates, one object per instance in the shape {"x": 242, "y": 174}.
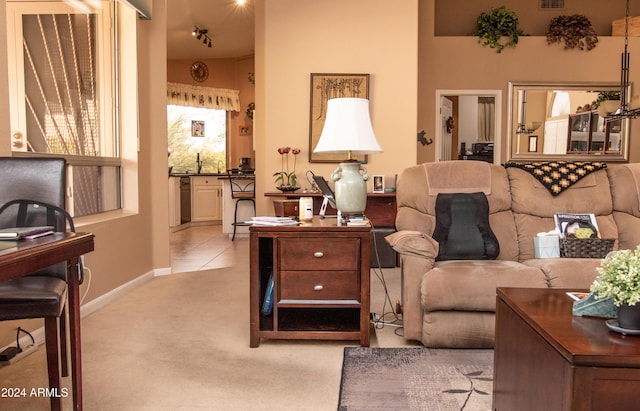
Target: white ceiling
{"x": 230, "y": 26}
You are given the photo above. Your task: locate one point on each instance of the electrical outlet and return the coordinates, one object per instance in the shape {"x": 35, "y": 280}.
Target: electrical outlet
{"x": 398, "y": 307}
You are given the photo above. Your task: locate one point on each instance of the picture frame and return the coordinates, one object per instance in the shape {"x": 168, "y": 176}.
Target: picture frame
{"x": 378, "y": 184}
{"x": 325, "y": 86}
{"x": 197, "y": 128}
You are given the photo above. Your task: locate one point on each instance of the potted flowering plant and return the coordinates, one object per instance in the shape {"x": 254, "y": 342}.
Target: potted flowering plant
{"x": 287, "y": 180}
{"x": 619, "y": 279}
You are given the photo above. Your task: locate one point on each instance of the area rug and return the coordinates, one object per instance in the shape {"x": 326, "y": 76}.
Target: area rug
{"x": 416, "y": 379}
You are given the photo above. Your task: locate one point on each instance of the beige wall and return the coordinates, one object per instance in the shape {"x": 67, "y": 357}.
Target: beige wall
{"x": 333, "y": 36}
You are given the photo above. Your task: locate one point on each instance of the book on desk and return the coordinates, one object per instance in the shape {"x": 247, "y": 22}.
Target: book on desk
{"x": 18, "y": 233}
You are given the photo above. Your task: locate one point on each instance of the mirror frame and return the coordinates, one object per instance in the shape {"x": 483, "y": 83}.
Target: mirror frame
{"x": 512, "y": 122}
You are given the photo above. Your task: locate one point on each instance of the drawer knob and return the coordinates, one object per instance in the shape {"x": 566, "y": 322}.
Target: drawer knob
{"x": 318, "y": 254}
{"x": 318, "y": 287}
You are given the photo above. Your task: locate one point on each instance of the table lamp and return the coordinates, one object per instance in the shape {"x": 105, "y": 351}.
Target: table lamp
{"x": 347, "y": 129}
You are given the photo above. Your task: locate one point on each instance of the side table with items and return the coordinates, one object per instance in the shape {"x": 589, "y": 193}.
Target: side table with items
{"x": 309, "y": 281}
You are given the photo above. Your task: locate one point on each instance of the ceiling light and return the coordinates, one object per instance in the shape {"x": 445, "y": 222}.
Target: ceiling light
{"x": 202, "y": 34}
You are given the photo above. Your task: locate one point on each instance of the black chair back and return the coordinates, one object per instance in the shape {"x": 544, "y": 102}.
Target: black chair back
{"x": 32, "y": 193}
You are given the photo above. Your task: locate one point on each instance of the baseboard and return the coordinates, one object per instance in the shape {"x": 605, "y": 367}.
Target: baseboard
{"x": 96, "y": 304}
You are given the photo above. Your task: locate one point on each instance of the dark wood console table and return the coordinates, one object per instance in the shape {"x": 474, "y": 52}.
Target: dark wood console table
{"x": 381, "y": 207}
{"x": 28, "y": 256}
{"x": 547, "y": 359}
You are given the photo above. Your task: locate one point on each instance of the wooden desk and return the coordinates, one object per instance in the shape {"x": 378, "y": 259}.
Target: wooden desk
{"x": 381, "y": 207}
{"x": 547, "y": 359}
{"x": 31, "y": 255}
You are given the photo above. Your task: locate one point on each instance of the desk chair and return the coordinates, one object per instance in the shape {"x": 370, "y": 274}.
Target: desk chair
{"x": 245, "y": 191}
{"x": 32, "y": 193}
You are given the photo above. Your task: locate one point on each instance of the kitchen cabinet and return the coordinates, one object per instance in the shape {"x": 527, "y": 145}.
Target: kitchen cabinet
{"x": 206, "y": 199}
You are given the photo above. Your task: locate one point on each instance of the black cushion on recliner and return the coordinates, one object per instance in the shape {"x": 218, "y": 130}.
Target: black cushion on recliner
{"x": 462, "y": 228}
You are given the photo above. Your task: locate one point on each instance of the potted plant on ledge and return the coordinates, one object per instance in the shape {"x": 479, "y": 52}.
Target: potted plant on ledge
{"x": 619, "y": 279}
{"x": 496, "y": 24}
{"x": 576, "y": 31}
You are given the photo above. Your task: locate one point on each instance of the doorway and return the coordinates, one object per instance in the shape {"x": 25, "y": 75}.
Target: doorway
{"x": 460, "y": 120}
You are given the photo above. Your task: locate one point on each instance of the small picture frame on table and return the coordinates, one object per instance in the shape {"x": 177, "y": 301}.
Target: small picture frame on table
{"x": 378, "y": 184}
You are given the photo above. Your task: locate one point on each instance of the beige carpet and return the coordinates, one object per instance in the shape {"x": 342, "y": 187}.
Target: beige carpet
{"x": 181, "y": 342}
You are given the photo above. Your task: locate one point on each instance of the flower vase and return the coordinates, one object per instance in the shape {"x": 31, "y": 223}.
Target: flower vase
{"x": 629, "y": 316}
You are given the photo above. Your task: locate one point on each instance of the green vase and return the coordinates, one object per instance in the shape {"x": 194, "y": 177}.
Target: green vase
{"x": 351, "y": 187}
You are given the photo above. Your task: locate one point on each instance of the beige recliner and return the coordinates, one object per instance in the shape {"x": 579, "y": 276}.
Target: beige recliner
{"x": 452, "y": 303}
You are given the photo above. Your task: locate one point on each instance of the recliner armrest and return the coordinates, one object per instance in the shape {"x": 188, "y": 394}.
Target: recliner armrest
{"x": 414, "y": 243}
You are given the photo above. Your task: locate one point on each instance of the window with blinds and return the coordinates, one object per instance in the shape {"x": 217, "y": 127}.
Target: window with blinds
{"x": 63, "y": 63}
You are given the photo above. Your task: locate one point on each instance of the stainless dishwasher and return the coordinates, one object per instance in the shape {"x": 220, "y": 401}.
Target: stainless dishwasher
{"x": 185, "y": 200}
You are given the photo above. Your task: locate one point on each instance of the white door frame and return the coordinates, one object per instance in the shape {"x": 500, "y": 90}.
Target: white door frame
{"x": 497, "y": 94}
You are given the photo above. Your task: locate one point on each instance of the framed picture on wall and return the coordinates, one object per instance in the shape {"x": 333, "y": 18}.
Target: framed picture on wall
{"x": 323, "y": 88}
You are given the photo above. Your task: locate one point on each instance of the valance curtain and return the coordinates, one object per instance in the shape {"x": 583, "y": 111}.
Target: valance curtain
{"x": 203, "y": 97}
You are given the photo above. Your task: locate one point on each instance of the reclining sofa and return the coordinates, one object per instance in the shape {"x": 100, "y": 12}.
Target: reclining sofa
{"x": 451, "y": 303}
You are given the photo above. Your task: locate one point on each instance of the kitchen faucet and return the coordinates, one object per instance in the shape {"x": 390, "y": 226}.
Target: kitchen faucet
{"x": 198, "y": 164}
{"x": 220, "y": 162}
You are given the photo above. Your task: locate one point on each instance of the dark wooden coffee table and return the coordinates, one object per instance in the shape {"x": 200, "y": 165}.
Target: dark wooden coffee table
{"x": 547, "y": 359}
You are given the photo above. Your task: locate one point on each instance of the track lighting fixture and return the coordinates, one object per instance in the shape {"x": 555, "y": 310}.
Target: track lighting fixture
{"x": 201, "y": 34}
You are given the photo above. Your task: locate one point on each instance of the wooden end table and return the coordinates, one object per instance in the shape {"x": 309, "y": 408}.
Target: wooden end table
{"x": 321, "y": 281}
{"x": 547, "y": 359}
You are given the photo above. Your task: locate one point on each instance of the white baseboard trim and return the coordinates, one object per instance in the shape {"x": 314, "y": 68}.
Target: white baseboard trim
{"x": 94, "y": 305}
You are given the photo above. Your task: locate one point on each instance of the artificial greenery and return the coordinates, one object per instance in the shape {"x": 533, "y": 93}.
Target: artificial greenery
{"x": 619, "y": 277}
{"x": 497, "y": 23}
{"x": 576, "y": 31}
{"x": 604, "y": 96}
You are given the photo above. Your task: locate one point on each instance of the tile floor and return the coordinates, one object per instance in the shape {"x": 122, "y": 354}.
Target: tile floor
{"x": 205, "y": 247}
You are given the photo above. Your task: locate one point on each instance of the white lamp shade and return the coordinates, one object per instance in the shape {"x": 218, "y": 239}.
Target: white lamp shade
{"x": 347, "y": 127}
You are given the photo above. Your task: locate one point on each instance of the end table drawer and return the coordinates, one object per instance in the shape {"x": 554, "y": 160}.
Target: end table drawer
{"x": 319, "y": 253}
{"x": 319, "y": 285}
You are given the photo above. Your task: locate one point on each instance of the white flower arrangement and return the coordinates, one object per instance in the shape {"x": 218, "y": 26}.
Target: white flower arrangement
{"x": 619, "y": 277}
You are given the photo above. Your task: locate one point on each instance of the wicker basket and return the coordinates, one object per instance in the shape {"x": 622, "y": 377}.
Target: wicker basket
{"x": 586, "y": 247}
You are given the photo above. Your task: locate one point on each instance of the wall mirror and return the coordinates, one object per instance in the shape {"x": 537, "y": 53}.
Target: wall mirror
{"x": 561, "y": 121}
